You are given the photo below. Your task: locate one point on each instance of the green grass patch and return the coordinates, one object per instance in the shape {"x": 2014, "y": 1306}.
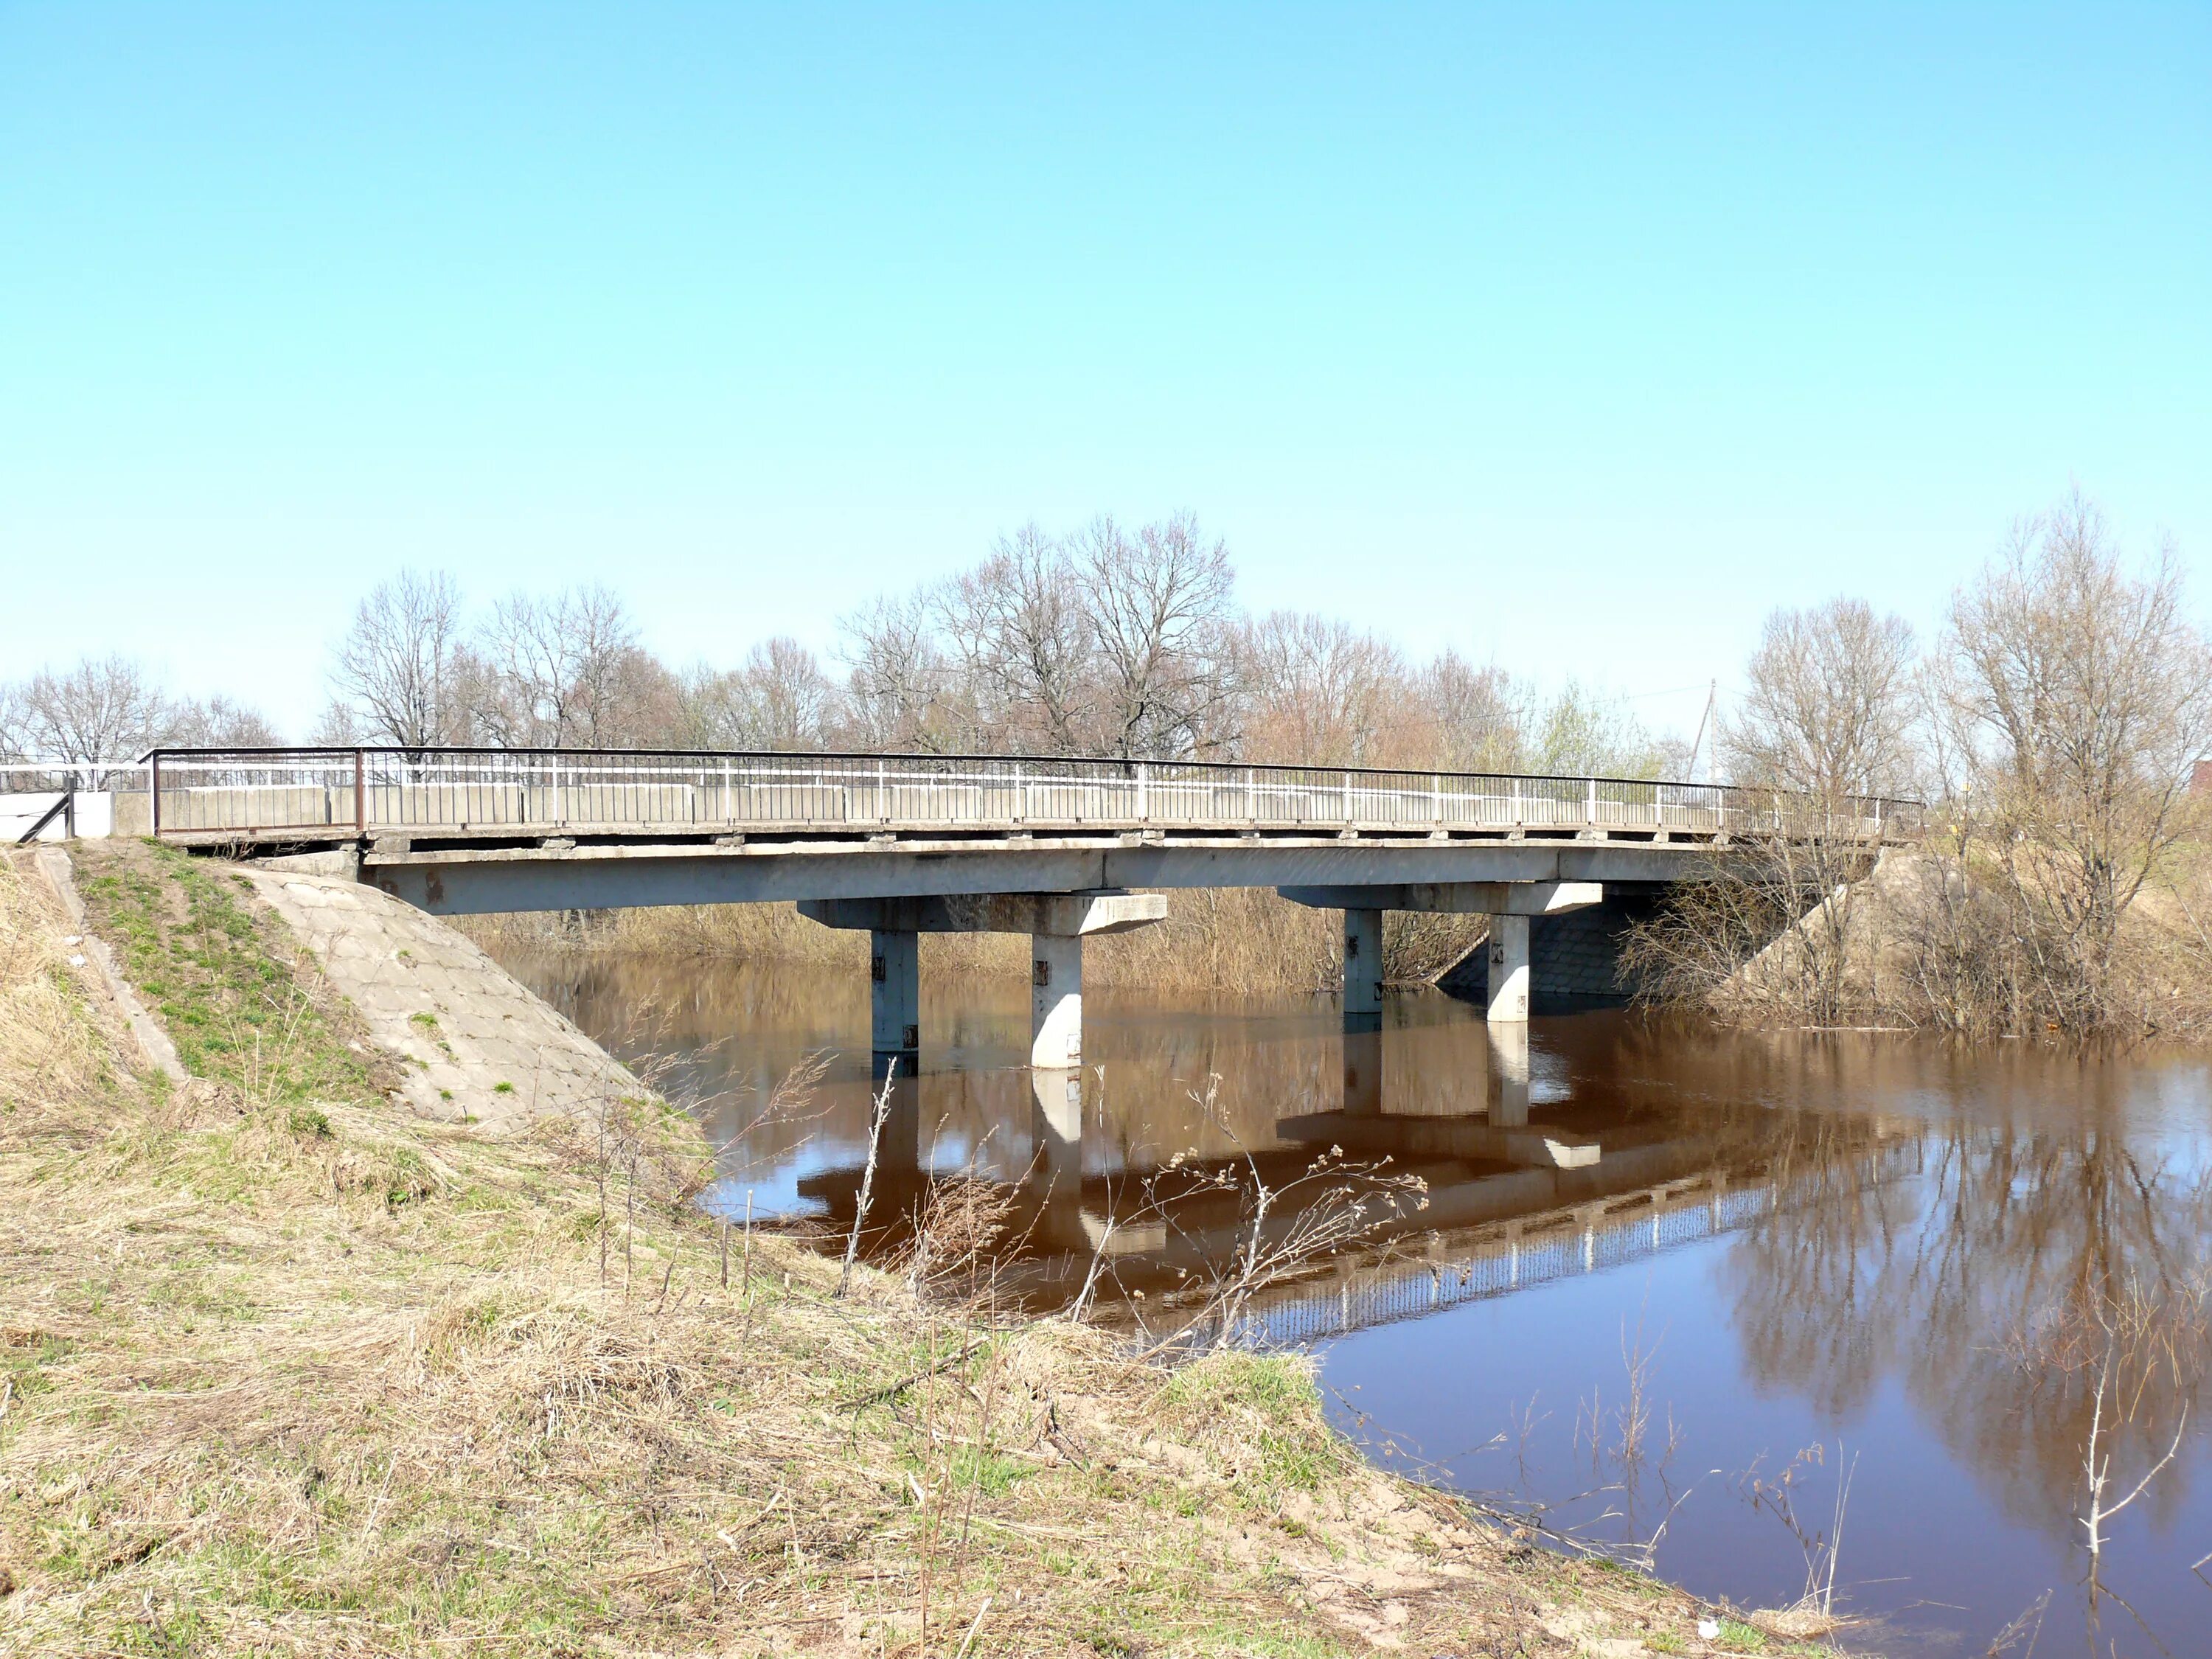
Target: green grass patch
{"x": 214, "y": 970}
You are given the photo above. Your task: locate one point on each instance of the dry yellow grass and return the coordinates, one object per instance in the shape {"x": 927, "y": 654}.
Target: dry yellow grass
{"x": 1239, "y": 939}
{"x": 287, "y": 1372}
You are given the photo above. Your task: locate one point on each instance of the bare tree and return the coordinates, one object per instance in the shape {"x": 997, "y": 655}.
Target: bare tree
{"x": 779, "y": 699}
{"x": 902, "y": 686}
{"x": 217, "y": 722}
{"x": 1317, "y": 690}
{"x": 108, "y": 709}
{"x": 1024, "y": 638}
{"x": 1163, "y": 604}
{"x": 1474, "y": 716}
{"x": 395, "y": 669}
{"x": 15, "y": 724}
{"x": 2077, "y": 694}
{"x": 567, "y": 672}
{"x": 1829, "y": 706}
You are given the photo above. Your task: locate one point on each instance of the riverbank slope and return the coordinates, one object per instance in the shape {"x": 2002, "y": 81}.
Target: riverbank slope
{"x": 297, "y": 1361}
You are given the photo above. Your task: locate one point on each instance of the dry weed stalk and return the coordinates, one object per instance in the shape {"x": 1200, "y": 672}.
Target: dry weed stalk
{"x": 879, "y": 1112}
{"x": 1819, "y": 1543}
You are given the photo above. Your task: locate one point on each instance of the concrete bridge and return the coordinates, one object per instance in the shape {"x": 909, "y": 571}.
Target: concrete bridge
{"x": 905, "y": 844}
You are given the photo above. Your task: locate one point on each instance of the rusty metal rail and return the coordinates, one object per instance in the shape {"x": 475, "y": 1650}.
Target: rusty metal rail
{"x": 485, "y": 793}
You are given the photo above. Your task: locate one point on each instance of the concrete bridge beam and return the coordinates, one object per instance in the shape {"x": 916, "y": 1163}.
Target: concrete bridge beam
{"x": 1063, "y": 914}
{"x": 1467, "y": 898}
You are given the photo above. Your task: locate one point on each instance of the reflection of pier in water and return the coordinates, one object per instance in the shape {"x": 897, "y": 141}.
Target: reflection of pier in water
{"x": 1516, "y": 1191}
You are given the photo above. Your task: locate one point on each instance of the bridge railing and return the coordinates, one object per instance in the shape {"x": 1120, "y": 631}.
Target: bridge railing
{"x": 334, "y": 792}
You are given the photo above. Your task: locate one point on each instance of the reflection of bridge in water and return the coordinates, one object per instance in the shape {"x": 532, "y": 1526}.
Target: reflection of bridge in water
{"x": 1515, "y": 1191}
{"x": 1354, "y": 1294}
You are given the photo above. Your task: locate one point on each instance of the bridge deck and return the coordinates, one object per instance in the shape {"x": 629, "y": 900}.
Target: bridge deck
{"x": 459, "y": 797}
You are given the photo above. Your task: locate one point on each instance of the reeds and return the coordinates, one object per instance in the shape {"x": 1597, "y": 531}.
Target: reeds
{"x": 1213, "y": 939}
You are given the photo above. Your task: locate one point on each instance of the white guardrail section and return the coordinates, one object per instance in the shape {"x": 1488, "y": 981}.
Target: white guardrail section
{"x": 30, "y": 789}
{"x": 477, "y": 792}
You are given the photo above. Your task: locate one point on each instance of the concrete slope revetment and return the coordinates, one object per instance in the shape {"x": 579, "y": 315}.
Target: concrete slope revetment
{"x": 469, "y": 1031}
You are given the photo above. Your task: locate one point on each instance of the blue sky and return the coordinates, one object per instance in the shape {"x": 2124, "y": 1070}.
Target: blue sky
{"x": 1576, "y": 336}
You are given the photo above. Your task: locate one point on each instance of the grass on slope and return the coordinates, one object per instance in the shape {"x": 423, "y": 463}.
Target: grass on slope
{"x": 283, "y": 1370}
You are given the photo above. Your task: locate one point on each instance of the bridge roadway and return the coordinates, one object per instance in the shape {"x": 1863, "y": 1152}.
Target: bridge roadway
{"x": 905, "y": 844}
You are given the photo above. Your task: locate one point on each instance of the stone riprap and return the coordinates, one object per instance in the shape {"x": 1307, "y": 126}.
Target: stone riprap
{"x": 463, "y": 1025}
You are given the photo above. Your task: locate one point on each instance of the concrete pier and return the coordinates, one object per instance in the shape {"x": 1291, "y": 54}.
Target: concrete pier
{"x": 1363, "y": 970}
{"x": 1055, "y": 1001}
{"x": 1057, "y": 924}
{"x": 894, "y": 1000}
{"x": 1509, "y": 969}
{"x": 1509, "y": 904}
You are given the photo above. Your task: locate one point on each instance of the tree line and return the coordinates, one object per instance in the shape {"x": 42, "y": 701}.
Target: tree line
{"x": 1114, "y": 640}
{"x": 2056, "y": 724}
{"x": 2052, "y": 724}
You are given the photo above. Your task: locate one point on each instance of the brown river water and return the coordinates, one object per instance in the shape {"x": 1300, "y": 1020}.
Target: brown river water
{"x": 1646, "y": 1286}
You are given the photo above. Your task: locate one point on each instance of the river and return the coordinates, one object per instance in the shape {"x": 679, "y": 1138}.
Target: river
{"x": 1649, "y": 1288}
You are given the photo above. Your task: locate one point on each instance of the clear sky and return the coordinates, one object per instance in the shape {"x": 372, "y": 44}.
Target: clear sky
{"x": 1577, "y": 336}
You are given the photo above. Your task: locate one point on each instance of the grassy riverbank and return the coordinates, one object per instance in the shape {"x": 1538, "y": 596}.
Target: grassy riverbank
{"x": 288, "y": 1370}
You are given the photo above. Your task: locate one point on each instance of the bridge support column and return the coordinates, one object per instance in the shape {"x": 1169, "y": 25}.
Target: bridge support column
{"x": 1056, "y": 924}
{"x": 894, "y": 1000}
{"x": 1509, "y": 969}
{"x": 1055, "y": 1001}
{"x": 1363, "y": 970}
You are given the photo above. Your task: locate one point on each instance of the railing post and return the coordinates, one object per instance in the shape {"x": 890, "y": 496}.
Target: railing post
{"x": 1437, "y": 797}
{"x": 1347, "y": 800}
{"x": 1144, "y": 792}
{"x": 153, "y": 793}
{"x": 1021, "y": 795}
{"x": 1589, "y": 808}
{"x": 1251, "y": 795}
{"x": 360, "y": 794}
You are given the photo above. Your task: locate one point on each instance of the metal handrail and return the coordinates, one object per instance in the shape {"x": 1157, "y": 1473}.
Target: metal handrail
{"x": 476, "y": 789}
